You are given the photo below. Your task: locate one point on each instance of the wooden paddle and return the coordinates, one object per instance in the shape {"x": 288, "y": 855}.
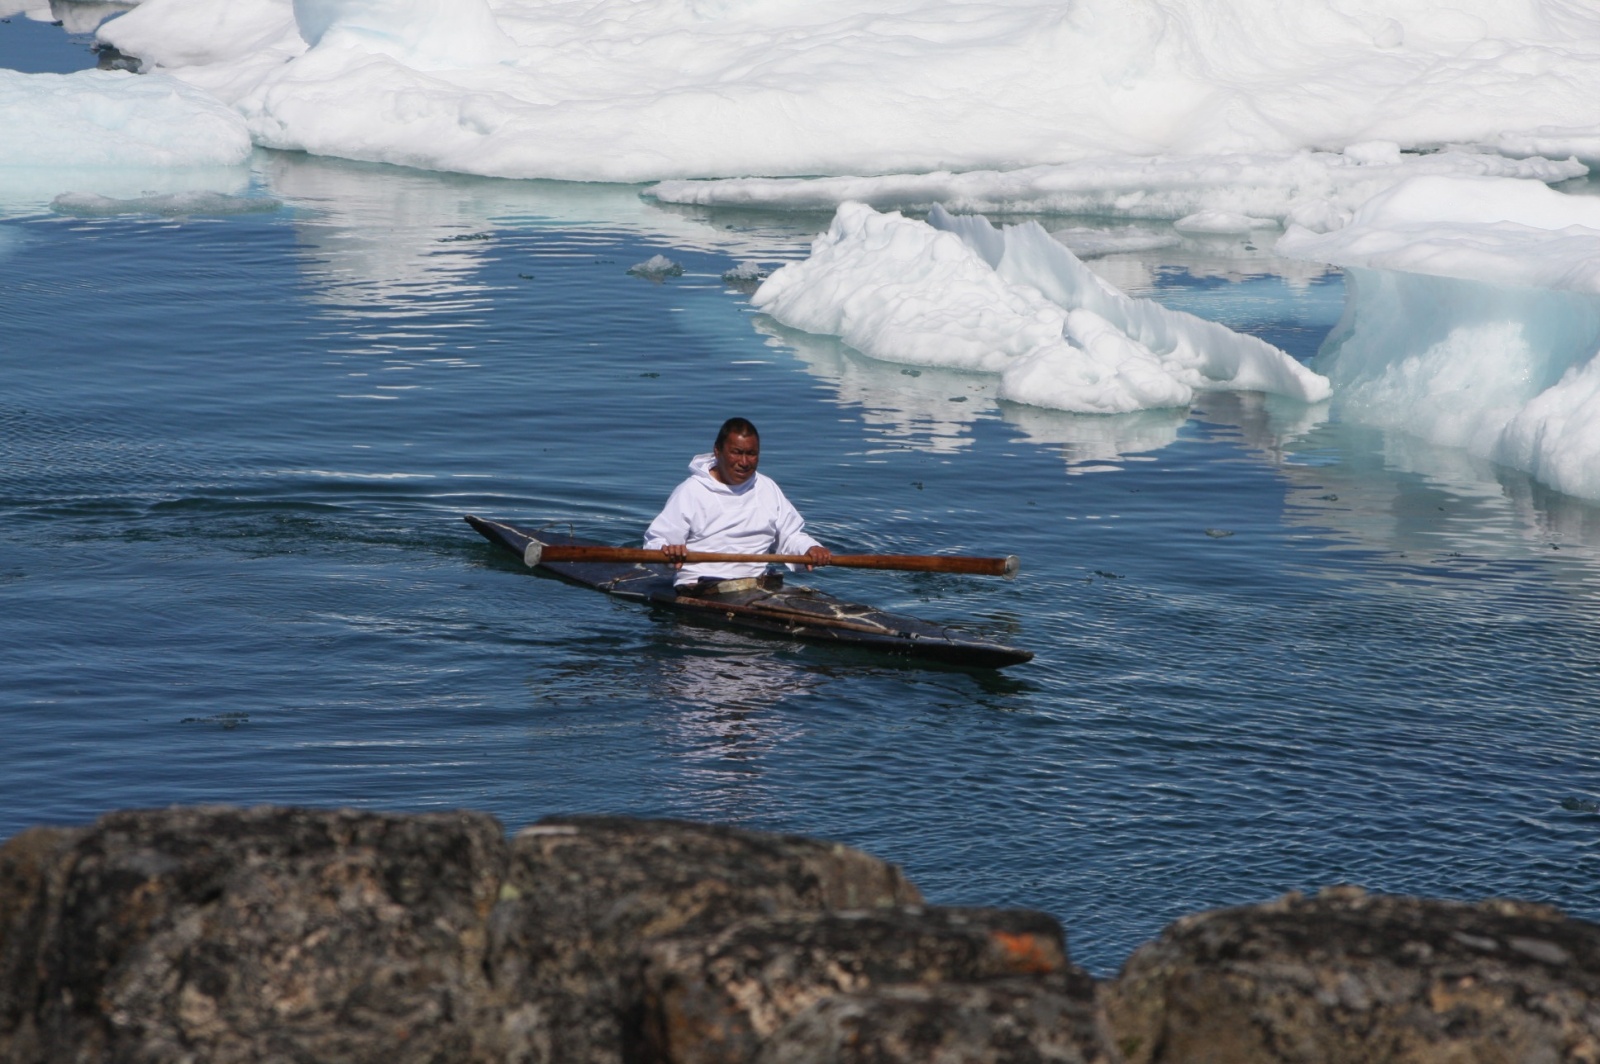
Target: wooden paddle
{"x": 922, "y": 563}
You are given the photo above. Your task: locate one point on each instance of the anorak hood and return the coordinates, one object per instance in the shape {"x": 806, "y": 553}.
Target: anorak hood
{"x": 700, "y": 466}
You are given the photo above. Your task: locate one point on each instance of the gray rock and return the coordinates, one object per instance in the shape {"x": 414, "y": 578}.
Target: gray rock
{"x": 287, "y": 935}
{"x": 722, "y": 997}
{"x": 224, "y": 935}
{"x": 1006, "y": 1022}
{"x": 1347, "y": 976}
{"x": 585, "y": 897}
{"x": 30, "y": 875}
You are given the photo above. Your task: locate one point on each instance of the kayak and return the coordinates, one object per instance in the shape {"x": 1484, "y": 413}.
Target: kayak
{"x": 790, "y": 612}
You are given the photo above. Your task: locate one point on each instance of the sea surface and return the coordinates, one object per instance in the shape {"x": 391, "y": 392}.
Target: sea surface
{"x": 1274, "y": 651}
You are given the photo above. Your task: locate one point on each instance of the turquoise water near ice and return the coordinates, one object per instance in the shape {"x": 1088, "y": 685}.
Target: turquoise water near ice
{"x": 1273, "y": 652}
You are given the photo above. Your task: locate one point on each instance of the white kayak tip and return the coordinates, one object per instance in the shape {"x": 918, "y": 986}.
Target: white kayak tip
{"x": 1013, "y": 563}
{"x": 534, "y": 551}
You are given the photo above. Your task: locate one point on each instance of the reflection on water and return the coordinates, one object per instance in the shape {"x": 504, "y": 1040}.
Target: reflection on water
{"x": 378, "y": 235}
{"x": 1228, "y": 259}
{"x": 1399, "y": 494}
{"x": 746, "y": 675}
{"x": 1089, "y": 442}
{"x": 728, "y": 707}
{"x": 395, "y": 239}
{"x": 1266, "y": 425}
{"x": 921, "y": 407}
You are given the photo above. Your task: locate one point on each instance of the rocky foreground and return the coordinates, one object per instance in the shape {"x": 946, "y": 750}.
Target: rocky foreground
{"x": 295, "y": 935}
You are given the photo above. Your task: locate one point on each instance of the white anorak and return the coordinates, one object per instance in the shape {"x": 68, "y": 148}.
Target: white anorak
{"x": 706, "y": 514}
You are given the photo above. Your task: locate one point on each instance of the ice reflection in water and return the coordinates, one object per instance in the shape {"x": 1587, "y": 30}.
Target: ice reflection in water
{"x": 1230, "y": 259}
{"x": 380, "y": 235}
{"x": 1413, "y": 498}
{"x": 920, "y": 407}
{"x": 1094, "y": 443}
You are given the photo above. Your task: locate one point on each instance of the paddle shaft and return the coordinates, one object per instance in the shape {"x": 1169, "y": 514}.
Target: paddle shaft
{"x": 921, "y": 563}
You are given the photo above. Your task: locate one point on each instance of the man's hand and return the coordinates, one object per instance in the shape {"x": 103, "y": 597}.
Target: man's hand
{"x": 675, "y": 553}
{"x": 819, "y": 555}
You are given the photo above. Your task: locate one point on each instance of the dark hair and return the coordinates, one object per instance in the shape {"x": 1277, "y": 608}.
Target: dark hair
{"x": 735, "y": 426}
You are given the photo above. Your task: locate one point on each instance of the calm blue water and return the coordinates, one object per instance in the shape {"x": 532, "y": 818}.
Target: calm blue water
{"x": 1273, "y": 652}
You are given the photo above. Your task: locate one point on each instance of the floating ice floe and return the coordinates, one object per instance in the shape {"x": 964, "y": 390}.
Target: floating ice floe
{"x": 746, "y": 272}
{"x": 1501, "y": 231}
{"x": 167, "y": 204}
{"x": 1231, "y": 193}
{"x": 1472, "y": 320}
{"x": 104, "y": 119}
{"x": 958, "y": 293}
{"x": 656, "y": 268}
{"x": 746, "y": 276}
{"x": 617, "y": 90}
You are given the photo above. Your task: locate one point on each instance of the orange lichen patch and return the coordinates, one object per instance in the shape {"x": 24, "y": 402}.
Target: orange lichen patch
{"x": 1027, "y": 953}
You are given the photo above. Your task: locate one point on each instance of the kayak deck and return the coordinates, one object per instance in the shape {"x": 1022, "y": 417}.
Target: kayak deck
{"x": 792, "y": 612}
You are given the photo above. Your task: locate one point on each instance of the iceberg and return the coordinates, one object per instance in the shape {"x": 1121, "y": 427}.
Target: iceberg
{"x": 616, "y": 90}
{"x": 1501, "y": 231}
{"x": 1472, "y": 320}
{"x": 957, "y": 293}
{"x": 98, "y": 119}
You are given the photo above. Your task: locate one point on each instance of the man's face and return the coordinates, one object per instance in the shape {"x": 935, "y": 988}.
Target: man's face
{"x": 737, "y": 458}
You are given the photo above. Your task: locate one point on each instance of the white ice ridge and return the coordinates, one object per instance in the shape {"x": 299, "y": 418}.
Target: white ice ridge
{"x": 1502, "y": 231}
{"x": 619, "y": 90}
{"x": 960, "y": 294}
{"x": 1315, "y": 188}
{"x": 103, "y": 119}
{"x": 1472, "y": 320}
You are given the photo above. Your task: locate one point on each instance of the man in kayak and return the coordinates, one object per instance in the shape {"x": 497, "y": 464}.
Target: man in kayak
{"x": 726, "y": 506}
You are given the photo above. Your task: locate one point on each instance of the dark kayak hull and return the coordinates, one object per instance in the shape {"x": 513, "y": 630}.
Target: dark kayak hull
{"x": 790, "y": 612}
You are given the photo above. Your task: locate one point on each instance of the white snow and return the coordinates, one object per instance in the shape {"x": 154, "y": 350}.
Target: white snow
{"x": 618, "y": 90}
{"x": 109, "y": 119}
{"x": 1508, "y": 232}
{"x": 1273, "y": 187}
{"x": 957, "y": 293}
{"x": 1221, "y": 222}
